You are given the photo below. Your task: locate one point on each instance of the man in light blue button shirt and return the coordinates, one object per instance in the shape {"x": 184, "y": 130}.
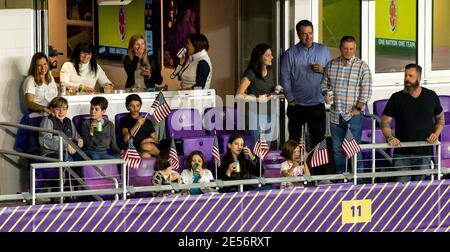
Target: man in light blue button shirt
{"x": 302, "y": 68}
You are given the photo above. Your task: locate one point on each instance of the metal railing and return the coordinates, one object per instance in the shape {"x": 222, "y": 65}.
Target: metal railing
{"x": 62, "y": 137}
{"x": 375, "y": 146}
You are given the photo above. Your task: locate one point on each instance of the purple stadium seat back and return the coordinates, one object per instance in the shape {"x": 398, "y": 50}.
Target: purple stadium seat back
{"x": 445, "y": 135}
{"x": 143, "y": 175}
{"x": 118, "y": 126}
{"x": 221, "y": 120}
{"x": 33, "y": 145}
{"x": 93, "y": 179}
{"x": 445, "y": 102}
{"x": 78, "y": 120}
{"x": 378, "y": 109}
{"x": 203, "y": 144}
{"x": 272, "y": 164}
{"x": 181, "y": 123}
{"x": 182, "y": 160}
{"x": 445, "y": 150}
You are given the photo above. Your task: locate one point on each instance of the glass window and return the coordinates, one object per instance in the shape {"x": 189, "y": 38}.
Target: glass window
{"x": 441, "y": 35}
{"x": 339, "y": 18}
{"x": 395, "y": 35}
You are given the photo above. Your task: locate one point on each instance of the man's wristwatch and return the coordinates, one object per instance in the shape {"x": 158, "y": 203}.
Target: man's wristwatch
{"x": 389, "y": 138}
{"x": 357, "y": 108}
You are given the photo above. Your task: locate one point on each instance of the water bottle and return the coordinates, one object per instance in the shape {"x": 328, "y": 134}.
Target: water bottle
{"x": 62, "y": 90}
{"x": 238, "y": 167}
{"x": 196, "y": 167}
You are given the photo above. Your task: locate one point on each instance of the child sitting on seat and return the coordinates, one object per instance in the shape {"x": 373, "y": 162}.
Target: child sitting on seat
{"x": 138, "y": 128}
{"x": 57, "y": 120}
{"x": 164, "y": 173}
{"x": 293, "y": 166}
{"x": 99, "y": 133}
{"x": 196, "y": 171}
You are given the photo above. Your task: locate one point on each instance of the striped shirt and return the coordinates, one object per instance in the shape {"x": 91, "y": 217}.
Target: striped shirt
{"x": 351, "y": 83}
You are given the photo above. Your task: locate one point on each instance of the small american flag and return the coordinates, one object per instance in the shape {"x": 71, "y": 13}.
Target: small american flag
{"x": 320, "y": 154}
{"x": 161, "y": 108}
{"x": 173, "y": 156}
{"x": 261, "y": 148}
{"x": 215, "y": 151}
{"x": 349, "y": 145}
{"x": 131, "y": 156}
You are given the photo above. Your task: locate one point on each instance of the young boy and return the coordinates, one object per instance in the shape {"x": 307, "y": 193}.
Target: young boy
{"x": 139, "y": 128}
{"x": 57, "y": 120}
{"x": 98, "y": 133}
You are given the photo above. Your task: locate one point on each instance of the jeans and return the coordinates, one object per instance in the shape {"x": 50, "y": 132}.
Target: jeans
{"x": 338, "y": 132}
{"x": 403, "y": 162}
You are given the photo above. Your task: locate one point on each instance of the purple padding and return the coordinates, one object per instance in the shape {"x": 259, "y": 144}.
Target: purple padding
{"x": 203, "y": 144}
{"x": 181, "y": 123}
{"x": 143, "y": 175}
{"x": 445, "y": 135}
{"x": 95, "y": 181}
{"x": 78, "y": 120}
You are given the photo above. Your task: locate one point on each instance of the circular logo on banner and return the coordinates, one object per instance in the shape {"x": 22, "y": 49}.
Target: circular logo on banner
{"x": 393, "y": 15}
{"x": 122, "y": 23}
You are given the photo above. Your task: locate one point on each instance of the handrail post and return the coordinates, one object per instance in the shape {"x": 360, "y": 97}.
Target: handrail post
{"x": 355, "y": 169}
{"x": 33, "y": 186}
{"x": 438, "y": 146}
{"x": 124, "y": 181}
{"x": 373, "y": 150}
{"x": 61, "y": 171}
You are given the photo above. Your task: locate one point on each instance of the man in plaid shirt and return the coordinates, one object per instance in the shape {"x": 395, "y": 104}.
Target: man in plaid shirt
{"x": 351, "y": 81}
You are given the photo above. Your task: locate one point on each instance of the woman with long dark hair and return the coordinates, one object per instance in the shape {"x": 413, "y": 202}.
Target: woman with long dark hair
{"x": 235, "y": 165}
{"x": 82, "y": 71}
{"x": 256, "y": 87}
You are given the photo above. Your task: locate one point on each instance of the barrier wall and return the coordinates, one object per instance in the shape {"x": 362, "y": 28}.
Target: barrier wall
{"x": 415, "y": 206}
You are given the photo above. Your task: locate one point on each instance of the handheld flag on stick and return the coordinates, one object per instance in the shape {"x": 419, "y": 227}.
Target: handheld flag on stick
{"x": 173, "y": 156}
{"x": 320, "y": 154}
{"x": 261, "y": 148}
{"x": 349, "y": 145}
{"x": 215, "y": 151}
{"x": 131, "y": 156}
{"x": 161, "y": 108}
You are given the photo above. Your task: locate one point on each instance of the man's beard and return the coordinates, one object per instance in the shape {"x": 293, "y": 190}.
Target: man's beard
{"x": 54, "y": 65}
{"x": 409, "y": 89}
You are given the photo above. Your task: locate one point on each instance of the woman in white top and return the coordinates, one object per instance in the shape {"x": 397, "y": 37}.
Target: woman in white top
{"x": 82, "y": 71}
{"x": 197, "y": 69}
{"x": 196, "y": 171}
{"x": 39, "y": 87}
{"x": 293, "y": 166}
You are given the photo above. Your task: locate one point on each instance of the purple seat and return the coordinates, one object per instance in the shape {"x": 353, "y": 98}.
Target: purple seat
{"x": 93, "y": 179}
{"x": 143, "y": 175}
{"x": 445, "y": 103}
{"x": 271, "y": 162}
{"x": 182, "y": 160}
{"x": 222, "y": 120}
{"x": 181, "y": 123}
{"x": 78, "y": 120}
{"x": 118, "y": 125}
{"x": 378, "y": 109}
{"x": 203, "y": 144}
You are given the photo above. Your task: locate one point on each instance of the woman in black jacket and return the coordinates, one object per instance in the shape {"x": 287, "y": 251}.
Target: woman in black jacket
{"x": 142, "y": 71}
{"x": 234, "y": 165}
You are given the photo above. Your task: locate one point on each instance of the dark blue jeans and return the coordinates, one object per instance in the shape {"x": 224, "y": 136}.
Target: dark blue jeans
{"x": 338, "y": 132}
{"x": 404, "y": 162}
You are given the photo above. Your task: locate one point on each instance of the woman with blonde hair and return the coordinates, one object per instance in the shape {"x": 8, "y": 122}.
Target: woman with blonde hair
{"x": 142, "y": 71}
